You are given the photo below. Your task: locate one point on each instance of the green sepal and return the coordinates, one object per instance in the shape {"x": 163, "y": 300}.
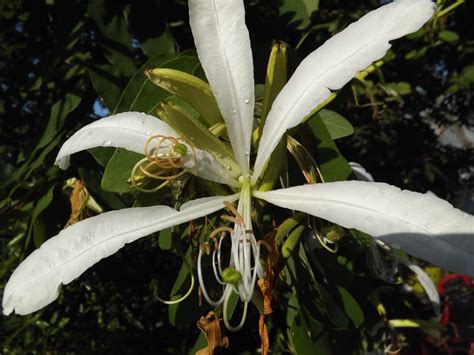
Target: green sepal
{"x": 276, "y": 77}
{"x": 277, "y": 161}
{"x": 194, "y": 90}
{"x": 287, "y": 226}
{"x": 275, "y": 80}
{"x": 292, "y": 241}
{"x": 187, "y": 125}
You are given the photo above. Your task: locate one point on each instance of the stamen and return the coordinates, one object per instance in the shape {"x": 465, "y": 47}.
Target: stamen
{"x": 220, "y": 230}
{"x": 206, "y": 247}
{"x": 231, "y": 219}
{"x": 159, "y": 165}
{"x": 324, "y": 243}
{"x": 233, "y": 210}
{"x": 182, "y": 298}
{"x": 244, "y": 255}
{"x": 227, "y": 295}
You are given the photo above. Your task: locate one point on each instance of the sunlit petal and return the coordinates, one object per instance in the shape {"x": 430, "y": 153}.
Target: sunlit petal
{"x": 423, "y": 225}
{"x": 131, "y": 130}
{"x": 223, "y": 46}
{"x": 61, "y": 259}
{"x": 335, "y": 63}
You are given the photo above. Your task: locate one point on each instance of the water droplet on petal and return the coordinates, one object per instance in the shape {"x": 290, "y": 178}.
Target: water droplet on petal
{"x": 247, "y": 100}
{"x": 383, "y": 190}
{"x": 106, "y": 143}
{"x": 228, "y": 167}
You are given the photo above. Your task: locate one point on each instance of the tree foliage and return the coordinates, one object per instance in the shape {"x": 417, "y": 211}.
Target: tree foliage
{"x": 66, "y": 63}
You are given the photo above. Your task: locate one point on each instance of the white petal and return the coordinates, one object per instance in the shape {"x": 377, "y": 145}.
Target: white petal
{"x": 426, "y": 282}
{"x": 223, "y": 46}
{"x": 423, "y": 225}
{"x": 131, "y": 130}
{"x": 360, "y": 172}
{"x": 208, "y": 168}
{"x": 61, "y": 259}
{"x": 335, "y": 63}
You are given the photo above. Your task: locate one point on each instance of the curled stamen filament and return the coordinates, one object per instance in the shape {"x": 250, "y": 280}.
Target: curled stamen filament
{"x": 227, "y": 295}
{"x": 182, "y": 298}
{"x": 244, "y": 255}
{"x": 324, "y": 243}
{"x": 205, "y": 246}
{"x": 165, "y": 161}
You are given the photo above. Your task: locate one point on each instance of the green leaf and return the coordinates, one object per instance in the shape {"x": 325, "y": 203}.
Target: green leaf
{"x": 102, "y": 155}
{"x": 118, "y": 41}
{"x": 119, "y": 170}
{"x": 416, "y": 53}
{"x": 308, "y": 337}
{"x": 59, "y": 112}
{"x": 448, "y": 36}
{"x": 182, "y": 121}
{"x": 337, "y": 126}
{"x": 194, "y": 90}
{"x": 399, "y": 88}
{"x": 92, "y": 179}
{"x": 420, "y": 33}
{"x": 332, "y": 164}
{"x": 201, "y": 343}
{"x": 141, "y": 94}
{"x": 300, "y": 10}
{"x": 464, "y": 80}
{"x": 160, "y": 44}
{"x": 40, "y": 206}
{"x": 165, "y": 240}
{"x": 107, "y": 84}
{"x": 351, "y": 307}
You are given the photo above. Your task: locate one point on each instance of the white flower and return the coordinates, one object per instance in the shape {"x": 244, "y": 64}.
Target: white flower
{"x": 422, "y": 225}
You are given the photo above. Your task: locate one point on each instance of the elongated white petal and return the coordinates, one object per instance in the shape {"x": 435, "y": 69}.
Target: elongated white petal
{"x": 423, "y": 225}
{"x": 426, "y": 282}
{"x": 360, "y": 172}
{"x": 61, "y": 259}
{"x": 223, "y": 46}
{"x": 335, "y": 63}
{"x": 131, "y": 130}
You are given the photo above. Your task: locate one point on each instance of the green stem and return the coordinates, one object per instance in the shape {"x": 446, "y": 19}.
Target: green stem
{"x": 450, "y": 8}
